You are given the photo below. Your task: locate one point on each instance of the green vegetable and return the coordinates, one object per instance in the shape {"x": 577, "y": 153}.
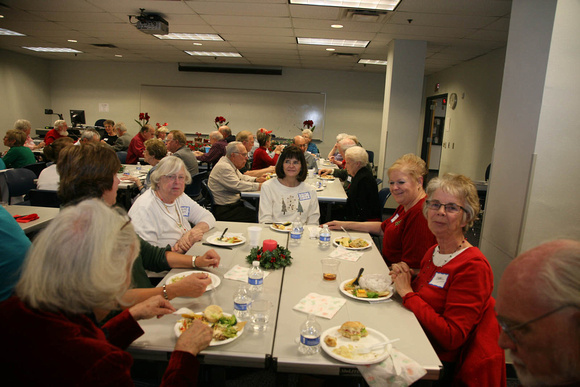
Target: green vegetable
{"x": 230, "y": 332}
{"x": 372, "y": 295}
{"x": 228, "y": 321}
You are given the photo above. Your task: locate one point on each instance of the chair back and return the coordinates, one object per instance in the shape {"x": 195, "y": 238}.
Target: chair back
{"x": 122, "y": 155}
{"x": 19, "y": 182}
{"x": 43, "y": 198}
{"x": 384, "y": 194}
{"x": 379, "y": 181}
{"x": 206, "y": 192}
{"x": 371, "y": 157}
{"x": 36, "y": 167}
{"x": 100, "y": 122}
{"x": 193, "y": 190}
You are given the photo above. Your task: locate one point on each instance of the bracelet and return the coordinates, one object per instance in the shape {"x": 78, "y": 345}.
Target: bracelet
{"x": 193, "y": 258}
{"x": 165, "y": 292}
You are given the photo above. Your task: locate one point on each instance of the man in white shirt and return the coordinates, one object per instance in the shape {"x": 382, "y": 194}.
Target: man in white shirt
{"x": 226, "y": 182}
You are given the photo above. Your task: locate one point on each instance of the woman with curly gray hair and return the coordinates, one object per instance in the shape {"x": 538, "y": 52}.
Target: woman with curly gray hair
{"x": 78, "y": 269}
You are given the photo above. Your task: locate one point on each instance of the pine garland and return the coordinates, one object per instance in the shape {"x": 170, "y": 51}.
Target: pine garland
{"x": 276, "y": 259}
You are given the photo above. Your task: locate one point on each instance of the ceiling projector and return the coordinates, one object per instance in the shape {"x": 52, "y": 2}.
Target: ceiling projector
{"x": 152, "y": 24}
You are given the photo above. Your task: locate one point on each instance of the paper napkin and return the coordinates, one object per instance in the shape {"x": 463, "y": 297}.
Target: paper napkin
{"x": 240, "y": 273}
{"x": 348, "y": 255}
{"x": 319, "y": 305}
{"x": 397, "y": 370}
{"x": 313, "y": 232}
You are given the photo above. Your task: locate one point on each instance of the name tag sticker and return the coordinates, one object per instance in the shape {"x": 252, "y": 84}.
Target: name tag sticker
{"x": 349, "y": 178}
{"x": 439, "y": 280}
{"x": 395, "y": 218}
{"x": 304, "y": 196}
{"x": 185, "y": 211}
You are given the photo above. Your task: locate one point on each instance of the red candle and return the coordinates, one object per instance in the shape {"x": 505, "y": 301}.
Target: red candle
{"x": 269, "y": 245}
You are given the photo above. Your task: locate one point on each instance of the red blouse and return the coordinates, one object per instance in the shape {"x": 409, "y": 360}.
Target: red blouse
{"x": 407, "y": 236}
{"x": 262, "y": 159}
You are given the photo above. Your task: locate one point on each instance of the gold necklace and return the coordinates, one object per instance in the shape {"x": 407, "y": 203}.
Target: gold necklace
{"x": 177, "y": 221}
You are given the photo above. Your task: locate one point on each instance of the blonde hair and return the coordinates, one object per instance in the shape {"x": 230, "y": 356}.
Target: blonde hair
{"x": 411, "y": 165}
{"x": 463, "y": 189}
{"x": 81, "y": 261}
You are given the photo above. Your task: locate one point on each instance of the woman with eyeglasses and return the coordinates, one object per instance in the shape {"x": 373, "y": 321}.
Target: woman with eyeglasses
{"x": 287, "y": 197}
{"x": 163, "y": 215}
{"x": 451, "y": 294}
{"x": 405, "y": 234}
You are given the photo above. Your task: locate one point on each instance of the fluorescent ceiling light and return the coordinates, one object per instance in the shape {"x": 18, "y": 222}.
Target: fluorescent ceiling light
{"x": 179, "y": 36}
{"x": 6, "y": 32}
{"x": 336, "y": 25}
{"x": 331, "y": 49}
{"x": 214, "y": 53}
{"x": 373, "y": 62}
{"x": 72, "y": 41}
{"x": 334, "y": 42}
{"x": 387, "y": 5}
{"x": 53, "y": 49}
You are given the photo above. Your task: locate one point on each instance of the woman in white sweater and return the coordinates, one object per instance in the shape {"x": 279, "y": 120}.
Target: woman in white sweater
{"x": 285, "y": 197}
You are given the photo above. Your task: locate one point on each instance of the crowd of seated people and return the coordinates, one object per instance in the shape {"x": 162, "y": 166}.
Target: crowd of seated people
{"x": 444, "y": 280}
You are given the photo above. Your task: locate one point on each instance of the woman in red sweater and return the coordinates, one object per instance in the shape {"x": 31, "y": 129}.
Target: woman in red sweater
{"x": 261, "y": 158}
{"x": 77, "y": 270}
{"x": 406, "y": 236}
{"x": 451, "y": 294}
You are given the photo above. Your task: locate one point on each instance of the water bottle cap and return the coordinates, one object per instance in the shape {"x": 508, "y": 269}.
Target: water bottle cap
{"x": 256, "y": 263}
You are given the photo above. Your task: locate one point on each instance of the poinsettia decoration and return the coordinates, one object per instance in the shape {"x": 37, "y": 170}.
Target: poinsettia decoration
{"x": 309, "y": 124}
{"x": 143, "y": 119}
{"x": 160, "y": 125}
{"x": 220, "y": 121}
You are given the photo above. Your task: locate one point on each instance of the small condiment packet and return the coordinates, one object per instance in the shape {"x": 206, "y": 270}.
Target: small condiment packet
{"x": 320, "y": 305}
{"x": 240, "y": 273}
{"x": 347, "y": 255}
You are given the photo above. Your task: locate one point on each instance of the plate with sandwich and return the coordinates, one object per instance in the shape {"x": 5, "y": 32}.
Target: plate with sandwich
{"x": 345, "y": 341}
{"x": 371, "y": 288}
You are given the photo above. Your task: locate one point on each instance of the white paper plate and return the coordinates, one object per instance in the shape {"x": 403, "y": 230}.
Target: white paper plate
{"x": 215, "y": 280}
{"x": 213, "y": 343}
{"x": 348, "y": 294}
{"x": 374, "y": 337}
{"x": 214, "y": 241}
{"x": 286, "y": 228}
{"x": 336, "y": 244}
{"x": 327, "y": 177}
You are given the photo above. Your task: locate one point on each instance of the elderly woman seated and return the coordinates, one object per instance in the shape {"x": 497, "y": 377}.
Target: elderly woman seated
{"x": 162, "y": 215}
{"x": 48, "y": 178}
{"x": 155, "y": 150}
{"x": 18, "y": 155}
{"x": 261, "y": 158}
{"x": 77, "y": 270}
{"x": 312, "y": 148}
{"x": 362, "y": 203}
{"x": 451, "y": 294}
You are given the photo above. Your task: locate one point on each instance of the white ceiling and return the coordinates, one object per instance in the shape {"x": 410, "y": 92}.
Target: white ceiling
{"x": 264, "y": 32}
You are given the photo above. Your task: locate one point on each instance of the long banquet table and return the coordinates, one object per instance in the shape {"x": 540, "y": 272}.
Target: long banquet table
{"x": 276, "y": 347}
{"x": 45, "y": 215}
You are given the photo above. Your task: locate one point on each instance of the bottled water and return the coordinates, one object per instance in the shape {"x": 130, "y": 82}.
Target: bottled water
{"x": 296, "y": 233}
{"x": 242, "y": 299}
{"x": 324, "y": 236}
{"x": 255, "y": 278}
{"x": 310, "y": 336}
{"x": 138, "y": 167}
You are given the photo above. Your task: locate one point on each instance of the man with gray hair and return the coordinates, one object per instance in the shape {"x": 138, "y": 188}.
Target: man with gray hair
{"x": 88, "y": 135}
{"x": 217, "y": 150}
{"x": 177, "y": 145}
{"x": 538, "y": 309}
{"x": 123, "y": 138}
{"x": 301, "y": 143}
{"x": 59, "y": 130}
{"x": 226, "y": 182}
{"x": 347, "y": 142}
{"x": 226, "y": 132}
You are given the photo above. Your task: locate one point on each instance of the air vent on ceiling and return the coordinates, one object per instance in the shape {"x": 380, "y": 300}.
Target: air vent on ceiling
{"x": 345, "y": 54}
{"x": 363, "y": 15}
{"x": 231, "y": 69}
{"x": 104, "y": 45}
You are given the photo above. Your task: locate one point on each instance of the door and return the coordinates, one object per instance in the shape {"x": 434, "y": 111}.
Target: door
{"x": 435, "y": 109}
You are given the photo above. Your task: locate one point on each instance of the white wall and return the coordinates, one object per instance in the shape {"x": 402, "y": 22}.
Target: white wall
{"x": 471, "y": 126}
{"x": 25, "y": 84}
{"x": 354, "y": 101}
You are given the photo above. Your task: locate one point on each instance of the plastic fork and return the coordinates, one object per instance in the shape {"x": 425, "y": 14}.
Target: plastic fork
{"x": 374, "y": 347}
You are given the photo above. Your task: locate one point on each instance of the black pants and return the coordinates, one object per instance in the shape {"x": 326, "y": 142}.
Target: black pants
{"x": 236, "y": 212}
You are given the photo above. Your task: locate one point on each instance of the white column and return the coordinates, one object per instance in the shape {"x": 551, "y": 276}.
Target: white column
{"x": 401, "y": 128}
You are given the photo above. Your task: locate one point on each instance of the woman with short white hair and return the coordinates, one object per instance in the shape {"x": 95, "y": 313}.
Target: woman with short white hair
{"x": 362, "y": 203}
{"x": 312, "y": 148}
{"x": 77, "y": 270}
{"x": 334, "y": 154}
{"x": 164, "y": 213}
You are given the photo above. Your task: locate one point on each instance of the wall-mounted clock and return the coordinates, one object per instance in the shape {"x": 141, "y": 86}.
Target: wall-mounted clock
{"x": 453, "y": 100}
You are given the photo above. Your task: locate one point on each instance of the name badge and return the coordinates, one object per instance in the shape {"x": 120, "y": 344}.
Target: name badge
{"x": 185, "y": 211}
{"x": 394, "y": 218}
{"x": 439, "y": 280}
{"x": 349, "y": 178}
{"x": 304, "y": 196}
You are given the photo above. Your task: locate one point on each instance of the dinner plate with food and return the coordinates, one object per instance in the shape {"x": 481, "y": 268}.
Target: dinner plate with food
{"x": 225, "y": 326}
{"x": 327, "y": 177}
{"x": 282, "y": 227}
{"x": 215, "y": 280}
{"x": 226, "y": 240}
{"x": 350, "y": 343}
{"x": 352, "y": 244}
{"x": 371, "y": 288}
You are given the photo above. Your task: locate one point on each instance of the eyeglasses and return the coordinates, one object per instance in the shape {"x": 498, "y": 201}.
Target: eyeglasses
{"x": 180, "y": 178}
{"x": 450, "y": 208}
{"x": 242, "y": 154}
{"x": 511, "y": 331}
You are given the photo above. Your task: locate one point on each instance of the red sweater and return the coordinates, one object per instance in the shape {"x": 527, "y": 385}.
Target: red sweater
{"x": 454, "y": 306}
{"x": 136, "y": 148}
{"x": 51, "y": 135}
{"x": 407, "y": 236}
{"x": 262, "y": 159}
{"x": 44, "y": 348}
